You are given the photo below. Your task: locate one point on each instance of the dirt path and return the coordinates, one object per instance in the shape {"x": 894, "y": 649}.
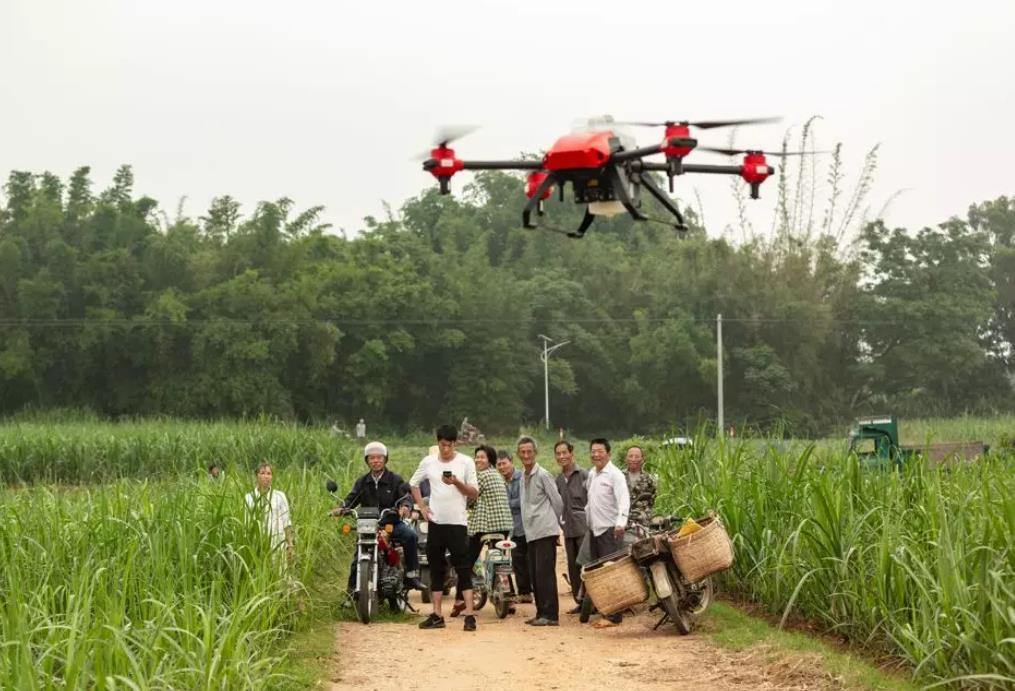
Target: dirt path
{"x": 507, "y": 654}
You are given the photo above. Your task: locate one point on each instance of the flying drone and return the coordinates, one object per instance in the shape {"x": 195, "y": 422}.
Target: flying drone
{"x": 607, "y": 171}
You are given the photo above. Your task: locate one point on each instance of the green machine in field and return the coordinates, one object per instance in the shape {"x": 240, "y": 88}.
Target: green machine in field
{"x": 876, "y": 441}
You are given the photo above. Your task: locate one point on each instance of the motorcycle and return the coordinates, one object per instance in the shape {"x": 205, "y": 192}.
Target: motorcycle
{"x": 498, "y": 574}
{"x": 681, "y": 601}
{"x": 380, "y": 567}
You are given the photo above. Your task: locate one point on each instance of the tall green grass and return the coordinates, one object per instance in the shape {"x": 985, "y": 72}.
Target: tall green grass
{"x": 91, "y": 451}
{"x": 157, "y": 585}
{"x": 919, "y": 563}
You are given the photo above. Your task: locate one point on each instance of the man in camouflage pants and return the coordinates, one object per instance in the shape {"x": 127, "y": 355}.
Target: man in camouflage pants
{"x": 642, "y": 487}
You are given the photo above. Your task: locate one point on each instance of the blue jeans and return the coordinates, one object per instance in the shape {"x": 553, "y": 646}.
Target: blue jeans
{"x": 402, "y": 535}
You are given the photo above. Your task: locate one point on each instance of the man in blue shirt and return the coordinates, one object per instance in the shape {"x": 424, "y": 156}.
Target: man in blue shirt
{"x": 519, "y": 555}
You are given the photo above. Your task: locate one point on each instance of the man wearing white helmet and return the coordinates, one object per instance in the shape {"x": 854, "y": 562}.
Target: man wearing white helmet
{"x": 384, "y": 489}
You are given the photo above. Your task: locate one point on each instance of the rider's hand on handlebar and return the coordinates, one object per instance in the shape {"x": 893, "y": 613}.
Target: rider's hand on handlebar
{"x": 338, "y": 511}
{"x": 403, "y": 511}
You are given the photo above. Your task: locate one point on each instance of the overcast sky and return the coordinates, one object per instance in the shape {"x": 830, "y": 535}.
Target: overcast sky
{"x": 326, "y": 102}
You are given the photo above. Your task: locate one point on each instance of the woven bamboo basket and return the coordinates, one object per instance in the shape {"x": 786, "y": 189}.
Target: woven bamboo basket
{"x": 704, "y": 552}
{"x": 616, "y": 585}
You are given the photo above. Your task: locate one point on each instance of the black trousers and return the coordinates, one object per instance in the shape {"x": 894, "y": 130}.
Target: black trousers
{"x": 574, "y": 571}
{"x": 543, "y": 574}
{"x": 475, "y": 549}
{"x": 520, "y": 564}
{"x": 604, "y": 545}
{"x": 453, "y": 539}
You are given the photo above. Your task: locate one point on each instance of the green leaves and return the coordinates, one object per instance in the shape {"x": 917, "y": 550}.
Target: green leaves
{"x": 434, "y": 312}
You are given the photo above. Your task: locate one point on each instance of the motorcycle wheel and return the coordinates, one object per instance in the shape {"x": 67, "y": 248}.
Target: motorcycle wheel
{"x": 680, "y": 617}
{"x": 700, "y": 597}
{"x": 366, "y": 601}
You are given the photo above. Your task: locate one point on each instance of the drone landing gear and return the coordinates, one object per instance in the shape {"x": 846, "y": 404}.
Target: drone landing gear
{"x": 535, "y": 202}
{"x": 665, "y": 201}
{"x": 584, "y": 226}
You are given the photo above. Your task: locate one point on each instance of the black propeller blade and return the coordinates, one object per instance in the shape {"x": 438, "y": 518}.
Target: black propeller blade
{"x": 445, "y": 135}
{"x": 735, "y": 152}
{"x": 705, "y": 124}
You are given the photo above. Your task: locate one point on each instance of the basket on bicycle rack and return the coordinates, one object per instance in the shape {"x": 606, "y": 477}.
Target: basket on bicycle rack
{"x": 614, "y": 582}
{"x": 703, "y": 552}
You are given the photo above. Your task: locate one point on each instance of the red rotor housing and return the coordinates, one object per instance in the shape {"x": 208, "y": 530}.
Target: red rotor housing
{"x": 447, "y": 164}
{"x": 755, "y": 169}
{"x": 676, "y": 132}
{"x": 532, "y": 183}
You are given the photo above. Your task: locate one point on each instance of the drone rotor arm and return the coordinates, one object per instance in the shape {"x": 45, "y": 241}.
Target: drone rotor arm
{"x": 643, "y": 151}
{"x": 528, "y": 164}
{"x": 687, "y": 168}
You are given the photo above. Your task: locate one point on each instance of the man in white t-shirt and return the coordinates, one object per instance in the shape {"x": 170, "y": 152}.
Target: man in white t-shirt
{"x": 606, "y": 510}
{"x": 452, "y": 479}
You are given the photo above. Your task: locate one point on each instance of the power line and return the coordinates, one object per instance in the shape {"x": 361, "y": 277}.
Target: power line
{"x": 341, "y": 321}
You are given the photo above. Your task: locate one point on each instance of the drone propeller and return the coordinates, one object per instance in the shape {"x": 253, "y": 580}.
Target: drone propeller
{"x": 445, "y": 135}
{"x": 705, "y": 124}
{"x": 735, "y": 152}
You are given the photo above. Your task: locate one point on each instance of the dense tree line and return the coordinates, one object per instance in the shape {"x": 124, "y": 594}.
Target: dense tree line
{"x": 434, "y": 313}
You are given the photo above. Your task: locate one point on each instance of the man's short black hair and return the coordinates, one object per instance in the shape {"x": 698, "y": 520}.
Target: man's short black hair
{"x": 600, "y": 440}
{"x": 503, "y": 453}
{"x": 447, "y": 433}
{"x": 564, "y": 442}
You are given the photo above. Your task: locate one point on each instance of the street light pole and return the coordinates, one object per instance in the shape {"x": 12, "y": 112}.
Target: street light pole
{"x": 545, "y": 357}
{"x": 721, "y": 423}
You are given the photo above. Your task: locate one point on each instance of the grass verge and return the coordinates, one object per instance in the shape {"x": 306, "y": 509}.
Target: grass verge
{"x": 736, "y": 630}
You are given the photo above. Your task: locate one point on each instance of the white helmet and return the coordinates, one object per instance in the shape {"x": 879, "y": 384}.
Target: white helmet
{"x": 375, "y": 447}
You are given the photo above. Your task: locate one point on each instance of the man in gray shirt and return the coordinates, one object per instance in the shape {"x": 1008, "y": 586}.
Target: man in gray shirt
{"x": 571, "y": 485}
{"x": 541, "y": 509}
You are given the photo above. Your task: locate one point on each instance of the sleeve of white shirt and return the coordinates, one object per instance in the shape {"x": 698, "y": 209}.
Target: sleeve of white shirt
{"x": 470, "y": 474}
{"x": 623, "y": 500}
{"x": 419, "y": 475}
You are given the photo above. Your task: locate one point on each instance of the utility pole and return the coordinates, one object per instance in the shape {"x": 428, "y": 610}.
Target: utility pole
{"x": 718, "y": 345}
{"x": 545, "y": 357}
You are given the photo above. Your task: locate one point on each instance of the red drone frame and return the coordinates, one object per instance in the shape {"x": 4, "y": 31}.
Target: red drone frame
{"x": 606, "y": 176}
